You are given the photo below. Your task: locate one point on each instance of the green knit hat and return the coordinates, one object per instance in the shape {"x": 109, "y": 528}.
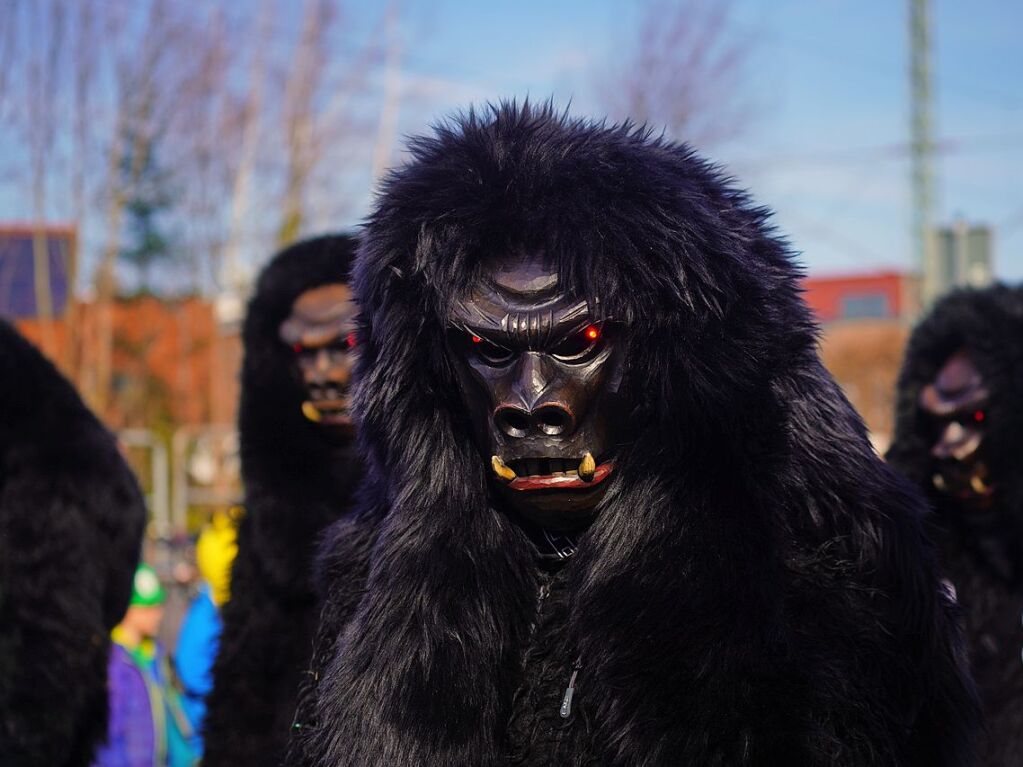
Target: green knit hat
{"x": 146, "y": 589}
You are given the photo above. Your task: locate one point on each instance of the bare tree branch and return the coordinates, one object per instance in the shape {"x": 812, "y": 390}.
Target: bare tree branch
{"x": 683, "y": 72}
{"x": 304, "y": 77}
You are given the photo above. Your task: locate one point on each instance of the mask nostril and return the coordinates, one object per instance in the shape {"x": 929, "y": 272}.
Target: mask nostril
{"x": 553, "y": 419}
{"x": 512, "y": 421}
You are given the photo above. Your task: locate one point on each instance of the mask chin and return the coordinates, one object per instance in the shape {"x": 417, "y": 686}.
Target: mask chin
{"x": 967, "y": 484}
{"x": 555, "y": 494}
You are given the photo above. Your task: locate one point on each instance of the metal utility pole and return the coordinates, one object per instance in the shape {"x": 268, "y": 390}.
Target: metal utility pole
{"x": 922, "y": 152}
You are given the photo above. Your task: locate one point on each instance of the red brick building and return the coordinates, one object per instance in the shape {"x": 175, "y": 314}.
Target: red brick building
{"x": 866, "y": 319}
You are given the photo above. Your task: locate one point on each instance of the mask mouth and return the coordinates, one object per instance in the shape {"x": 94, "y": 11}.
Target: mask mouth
{"x": 965, "y": 482}
{"x": 550, "y": 473}
{"x": 331, "y": 412}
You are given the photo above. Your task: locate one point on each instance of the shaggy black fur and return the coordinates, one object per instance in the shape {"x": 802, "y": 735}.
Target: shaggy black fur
{"x": 296, "y": 483}
{"x": 756, "y": 589}
{"x": 71, "y": 520}
{"x": 990, "y": 324}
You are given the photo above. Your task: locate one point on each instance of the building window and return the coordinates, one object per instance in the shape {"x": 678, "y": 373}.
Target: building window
{"x": 860, "y": 306}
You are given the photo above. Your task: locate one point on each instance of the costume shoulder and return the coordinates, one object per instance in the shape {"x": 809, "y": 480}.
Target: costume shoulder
{"x": 71, "y": 521}
{"x": 296, "y": 484}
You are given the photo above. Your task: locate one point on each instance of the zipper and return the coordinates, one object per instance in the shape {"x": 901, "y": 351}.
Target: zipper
{"x": 566, "y": 700}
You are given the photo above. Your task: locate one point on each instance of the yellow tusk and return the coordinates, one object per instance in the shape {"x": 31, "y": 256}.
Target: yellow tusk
{"x": 978, "y": 484}
{"x": 309, "y": 411}
{"x": 501, "y": 469}
{"x": 587, "y": 466}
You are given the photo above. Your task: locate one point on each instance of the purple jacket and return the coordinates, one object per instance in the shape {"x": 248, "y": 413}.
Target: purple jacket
{"x": 131, "y": 735}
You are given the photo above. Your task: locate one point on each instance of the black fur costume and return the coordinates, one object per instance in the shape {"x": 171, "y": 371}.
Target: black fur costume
{"x": 71, "y": 520}
{"x": 990, "y": 324}
{"x": 756, "y": 589}
{"x": 296, "y": 483}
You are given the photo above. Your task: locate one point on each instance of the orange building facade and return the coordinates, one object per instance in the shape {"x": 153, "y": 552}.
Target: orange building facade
{"x": 866, "y": 319}
{"x": 170, "y": 364}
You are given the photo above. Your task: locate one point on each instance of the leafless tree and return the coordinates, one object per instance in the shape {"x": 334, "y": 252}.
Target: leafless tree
{"x": 247, "y": 123}
{"x": 148, "y": 70}
{"x": 304, "y": 78}
{"x": 392, "y": 90}
{"x": 46, "y": 26}
{"x": 84, "y": 61}
{"x": 683, "y": 70}
{"x": 249, "y": 111}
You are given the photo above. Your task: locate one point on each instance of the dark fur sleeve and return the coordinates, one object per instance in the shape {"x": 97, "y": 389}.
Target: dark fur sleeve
{"x": 343, "y": 566}
{"x": 71, "y": 518}
{"x": 265, "y": 645}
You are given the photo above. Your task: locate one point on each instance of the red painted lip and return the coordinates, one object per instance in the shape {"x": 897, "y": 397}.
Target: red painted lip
{"x": 336, "y": 419}
{"x": 561, "y": 481}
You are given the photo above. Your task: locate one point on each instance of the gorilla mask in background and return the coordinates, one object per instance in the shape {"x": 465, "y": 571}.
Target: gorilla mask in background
{"x": 300, "y": 467}
{"x": 321, "y": 331}
{"x": 954, "y": 407}
{"x": 959, "y": 419}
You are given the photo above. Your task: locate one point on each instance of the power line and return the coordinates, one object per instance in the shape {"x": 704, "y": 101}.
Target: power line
{"x": 898, "y": 150}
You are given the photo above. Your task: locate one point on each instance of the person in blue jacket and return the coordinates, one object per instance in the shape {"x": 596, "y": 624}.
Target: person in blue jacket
{"x": 200, "y": 632}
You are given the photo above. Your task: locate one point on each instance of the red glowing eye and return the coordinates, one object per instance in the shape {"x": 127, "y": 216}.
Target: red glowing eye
{"x": 477, "y": 340}
{"x": 297, "y": 348}
{"x": 592, "y": 332}
{"x": 978, "y": 415}
{"x": 350, "y": 340}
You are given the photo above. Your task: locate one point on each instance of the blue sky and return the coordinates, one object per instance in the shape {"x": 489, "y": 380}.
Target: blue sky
{"x": 829, "y": 83}
{"x": 825, "y": 142}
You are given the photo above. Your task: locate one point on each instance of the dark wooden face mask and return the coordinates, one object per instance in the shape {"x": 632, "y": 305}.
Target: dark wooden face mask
{"x": 954, "y": 406}
{"x": 321, "y": 331}
{"x": 541, "y": 377}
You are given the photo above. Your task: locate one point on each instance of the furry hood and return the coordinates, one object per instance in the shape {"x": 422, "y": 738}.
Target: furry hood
{"x": 750, "y": 493}
{"x": 989, "y": 322}
{"x": 278, "y": 444}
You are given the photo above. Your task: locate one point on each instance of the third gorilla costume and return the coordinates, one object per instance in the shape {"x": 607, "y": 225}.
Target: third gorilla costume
{"x": 299, "y": 469}
{"x": 616, "y": 512}
{"x": 959, "y": 435}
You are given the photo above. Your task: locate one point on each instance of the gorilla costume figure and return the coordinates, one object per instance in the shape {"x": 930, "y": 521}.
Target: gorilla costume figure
{"x": 959, "y": 435}
{"x": 71, "y": 521}
{"x": 299, "y": 468}
{"x": 615, "y": 510}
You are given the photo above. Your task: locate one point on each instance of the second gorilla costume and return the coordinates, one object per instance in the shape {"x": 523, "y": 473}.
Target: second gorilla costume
{"x": 959, "y": 435}
{"x": 71, "y": 520}
{"x": 616, "y": 511}
{"x": 299, "y": 468}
